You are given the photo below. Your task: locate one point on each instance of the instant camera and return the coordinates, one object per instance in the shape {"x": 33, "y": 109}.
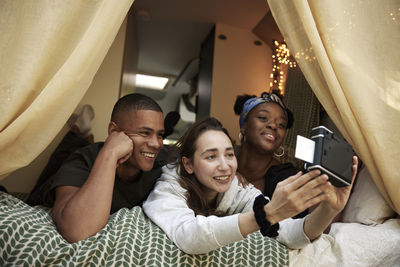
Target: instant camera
{"x": 332, "y": 155}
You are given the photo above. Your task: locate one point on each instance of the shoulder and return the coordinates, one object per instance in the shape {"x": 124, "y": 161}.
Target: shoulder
{"x": 76, "y": 168}
{"x": 88, "y": 153}
{"x": 169, "y": 179}
{"x": 91, "y": 149}
{"x": 166, "y": 190}
{"x": 169, "y": 172}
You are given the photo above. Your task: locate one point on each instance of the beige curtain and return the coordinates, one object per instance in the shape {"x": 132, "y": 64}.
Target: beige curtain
{"x": 49, "y": 53}
{"x": 349, "y": 52}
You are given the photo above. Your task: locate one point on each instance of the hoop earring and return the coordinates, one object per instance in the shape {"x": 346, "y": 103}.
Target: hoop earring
{"x": 242, "y": 138}
{"x": 280, "y": 154}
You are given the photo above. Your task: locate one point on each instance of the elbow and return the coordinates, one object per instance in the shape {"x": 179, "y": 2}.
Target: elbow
{"x": 293, "y": 245}
{"x": 193, "y": 245}
{"x": 194, "y": 238}
{"x": 292, "y": 234}
{"x": 193, "y": 250}
{"x": 70, "y": 232}
{"x": 72, "y": 237}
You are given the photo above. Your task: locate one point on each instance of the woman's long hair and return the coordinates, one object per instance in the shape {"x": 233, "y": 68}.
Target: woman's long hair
{"x": 186, "y": 147}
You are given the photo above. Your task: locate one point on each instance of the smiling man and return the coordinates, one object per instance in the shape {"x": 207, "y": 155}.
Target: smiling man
{"x": 104, "y": 177}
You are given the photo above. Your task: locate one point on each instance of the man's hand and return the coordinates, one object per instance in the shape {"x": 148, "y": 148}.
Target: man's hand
{"x": 119, "y": 145}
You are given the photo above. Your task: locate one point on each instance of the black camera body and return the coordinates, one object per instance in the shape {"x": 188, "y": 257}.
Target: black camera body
{"x": 333, "y": 156}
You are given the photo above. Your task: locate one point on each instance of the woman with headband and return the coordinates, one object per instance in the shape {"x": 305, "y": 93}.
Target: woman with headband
{"x": 263, "y": 125}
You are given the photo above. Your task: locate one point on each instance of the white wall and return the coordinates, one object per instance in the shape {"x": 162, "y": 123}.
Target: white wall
{"x": 102, "y": 94}
{"x": 240, "y": 67}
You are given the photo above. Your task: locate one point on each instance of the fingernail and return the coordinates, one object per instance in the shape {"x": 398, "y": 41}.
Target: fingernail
{"x": 324, "y": 177}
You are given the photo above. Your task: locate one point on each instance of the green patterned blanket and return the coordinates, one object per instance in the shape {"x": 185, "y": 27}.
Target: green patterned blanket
{"x": 28, "y": 237}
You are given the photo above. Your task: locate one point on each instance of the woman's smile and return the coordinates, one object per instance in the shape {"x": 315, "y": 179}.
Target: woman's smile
{"x": 214, "y": 163}
{"x": 269, "y": 136}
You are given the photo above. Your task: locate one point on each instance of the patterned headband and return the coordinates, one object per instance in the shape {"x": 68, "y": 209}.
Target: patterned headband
{"x": 253, "y": 102}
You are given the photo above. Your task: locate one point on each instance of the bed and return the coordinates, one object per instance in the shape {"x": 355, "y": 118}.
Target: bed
{"x": 353, "y": 245}
{"x": 369, "y": 236}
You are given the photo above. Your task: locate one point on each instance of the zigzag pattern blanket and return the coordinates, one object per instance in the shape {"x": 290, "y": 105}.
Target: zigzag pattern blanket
{"x": 28, "y": 237}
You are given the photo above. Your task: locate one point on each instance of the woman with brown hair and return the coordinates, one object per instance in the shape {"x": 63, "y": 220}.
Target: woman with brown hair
{"x": 201, "y": 206}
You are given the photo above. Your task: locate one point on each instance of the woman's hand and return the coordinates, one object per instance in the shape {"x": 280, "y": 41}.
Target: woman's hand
{"x": 321, "y": 217}
{"x": 337, "y": 197}
{"x": 295, "y": 194}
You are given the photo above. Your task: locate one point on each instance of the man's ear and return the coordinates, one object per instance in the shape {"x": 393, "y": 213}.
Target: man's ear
{"x": 187, "y": 163}
{"x": 112, "y": 127}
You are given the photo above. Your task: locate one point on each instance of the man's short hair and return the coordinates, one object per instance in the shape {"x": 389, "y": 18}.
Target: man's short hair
{"x": 131, "y": 102}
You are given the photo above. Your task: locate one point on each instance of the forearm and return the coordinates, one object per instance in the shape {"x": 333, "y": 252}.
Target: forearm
{"x": 205, "y": 234}
{"x": 318, "y": 220}
{"x": 87, "y": 211}
{"x": 247, "y": 223}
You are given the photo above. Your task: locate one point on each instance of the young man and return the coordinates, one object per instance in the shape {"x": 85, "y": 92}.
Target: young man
{"x": 101, "y": 178}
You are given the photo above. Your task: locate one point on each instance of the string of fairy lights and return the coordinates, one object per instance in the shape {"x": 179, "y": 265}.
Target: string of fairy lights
{"x": 280, "y": 55}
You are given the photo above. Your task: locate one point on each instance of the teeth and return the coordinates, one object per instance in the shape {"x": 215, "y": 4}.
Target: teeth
{"x": 221, "y": 177}
{"x": 149, "y": 155}
{"x": 270, "y": 136}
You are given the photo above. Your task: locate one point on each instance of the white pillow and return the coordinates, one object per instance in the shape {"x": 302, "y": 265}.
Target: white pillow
{"x": 366, "y": 204}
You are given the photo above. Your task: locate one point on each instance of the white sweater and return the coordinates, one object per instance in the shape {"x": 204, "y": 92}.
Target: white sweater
{"x": 166, "y": 206}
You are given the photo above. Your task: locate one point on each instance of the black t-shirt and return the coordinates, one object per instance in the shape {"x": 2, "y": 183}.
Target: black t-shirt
{"x": 276, "y": 174}
{"x": 76, "y": 169}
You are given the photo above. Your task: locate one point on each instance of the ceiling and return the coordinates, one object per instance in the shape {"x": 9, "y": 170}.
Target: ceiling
{"x": 169, "y": 33}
